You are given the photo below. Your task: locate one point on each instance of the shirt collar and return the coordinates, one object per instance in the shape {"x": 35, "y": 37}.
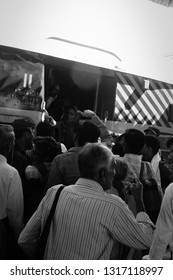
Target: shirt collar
{"x": 134, "y": 157}
{"x": 89, "y": 184}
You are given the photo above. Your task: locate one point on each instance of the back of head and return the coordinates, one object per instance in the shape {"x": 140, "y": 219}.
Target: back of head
{"x": 134, "y": 141}
{"x": 45, "y": 129}
{"x": 153, "y": 142}
{"x": 21, "y": 125}
{"x": 92, "y": 158}
{"x": 151, "y": 130}
{"x": 87, "y": 132}
{"x": 46, "y": 148}
{"x": 6, "y": 138}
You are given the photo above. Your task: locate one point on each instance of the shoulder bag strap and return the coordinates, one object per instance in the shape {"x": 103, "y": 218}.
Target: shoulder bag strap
{"x": 141, "y": 171}
{"x": 43, "y": 239}
{"x": 52, "y": 211}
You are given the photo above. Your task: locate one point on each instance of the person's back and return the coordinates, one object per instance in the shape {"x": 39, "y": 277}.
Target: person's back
{"x": 65, "y": 168}
{"x": 162, "y": 242}
{"x": 45, "y": 148}
{"x": 134, "y": 141}
{"x": 88, "y": 220}
{"x": 11, "y": 194}
{"x": 163, "y": 171}
{"x": 24, "y": 133}
{"x": 133, "y": 144}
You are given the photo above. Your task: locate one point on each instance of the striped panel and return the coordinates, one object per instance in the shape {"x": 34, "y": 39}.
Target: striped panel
{"x": 133, "y": 104}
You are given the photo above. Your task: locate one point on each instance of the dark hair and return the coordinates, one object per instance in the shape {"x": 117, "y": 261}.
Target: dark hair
{"x": 169, "y": 142}
{"x": 87, "y": 132}
{"x": 6, "y": 137}
{"x": 45, "y": 129}
{"x": 117, "y": 149}
{"x": 121, "y": 168}
{"x": 21, "y": 125}
{"x": 46, "y": 147}
{"x": 134, "y": 141}
{"x": 92, "y": 158}
{"x": 66, "y": 109}
{"x": 153, "y": 142}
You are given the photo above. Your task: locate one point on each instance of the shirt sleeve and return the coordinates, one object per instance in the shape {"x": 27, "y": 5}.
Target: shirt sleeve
{"x": 15, "y": 204}
{"x": 30, "y": 235}
{"x": 104, "y": 132}
{"x": 133, "y": 232}
{"x": 164, "y": 226}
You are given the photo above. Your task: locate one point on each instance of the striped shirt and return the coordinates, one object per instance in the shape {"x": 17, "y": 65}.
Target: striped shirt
{"x": 163, "y": 235}
{"x": 86, "y": 223}
{"x": 11, "y": 196}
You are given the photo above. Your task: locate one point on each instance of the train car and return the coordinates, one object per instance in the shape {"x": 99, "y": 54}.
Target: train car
{"x": 120, "y": 99}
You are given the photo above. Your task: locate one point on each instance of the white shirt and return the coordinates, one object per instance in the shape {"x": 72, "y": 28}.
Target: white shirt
{"x": 86, "y": 223}
{"x": 11, "y": 196}
{"x": 163, "y": 234}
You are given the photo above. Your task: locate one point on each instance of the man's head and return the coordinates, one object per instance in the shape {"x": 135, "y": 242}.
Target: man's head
{"x": 24, "y": 131}
{"x": 151, "y": 148}
{"x": 86, "y": 132}
{"x": 7, "y": 139}
{"x": 44, "y": 129}
{"x": 133, "y": 141}
{"x": 70, "y": 114}
{"x": 96, "y": 162}
{"x": 151, "y": 130}
{"x": 46, "y": 148}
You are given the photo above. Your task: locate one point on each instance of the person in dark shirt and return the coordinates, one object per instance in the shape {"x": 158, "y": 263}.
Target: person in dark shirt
{"x": 162, "y": 169}
{"x": 24, "y": 134}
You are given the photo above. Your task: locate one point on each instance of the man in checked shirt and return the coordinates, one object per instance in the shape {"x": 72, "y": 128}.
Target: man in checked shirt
{"x": 87, "y": 220}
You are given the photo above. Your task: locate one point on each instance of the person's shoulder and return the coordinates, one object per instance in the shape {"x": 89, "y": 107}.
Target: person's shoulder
{"x": 11, "y": 170}
{"x": 114, "y": 200}
{"x": 169, "y": 190}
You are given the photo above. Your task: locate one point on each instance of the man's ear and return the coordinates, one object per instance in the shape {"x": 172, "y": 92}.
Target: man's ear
{"x": 102, "y": 174}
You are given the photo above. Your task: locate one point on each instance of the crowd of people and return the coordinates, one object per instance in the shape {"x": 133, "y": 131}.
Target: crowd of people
{"x": 117, "y": 197}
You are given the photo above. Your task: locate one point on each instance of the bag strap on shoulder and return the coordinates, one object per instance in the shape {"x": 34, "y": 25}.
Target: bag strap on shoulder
{"x": 43, "y": 239}
{"x": 141, "y": 171}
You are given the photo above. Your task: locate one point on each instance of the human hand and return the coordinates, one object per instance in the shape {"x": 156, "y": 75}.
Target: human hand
{"x": 49, "y": 119}
{"x": 86, "y": 114}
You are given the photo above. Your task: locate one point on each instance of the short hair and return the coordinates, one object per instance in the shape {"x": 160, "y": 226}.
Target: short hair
{"x": 153, "y": 142}
{"x": 154, "y": 130}
{"x": 21, "y": 125}
{"x": 6, "y": 137}
{"x": 46, "y": 147}
{"x": 169, "y": 142}
{"x": 92, "y": 158}
{"x": 134, "y": 140}
{"x": 87, "y": 132}
{"x": 45, "y": 129}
